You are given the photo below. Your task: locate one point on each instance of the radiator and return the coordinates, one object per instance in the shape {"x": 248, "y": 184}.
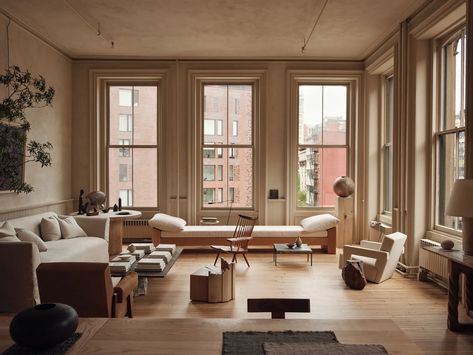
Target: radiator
{"x": 432, "y": 262}
{"x": 136, "y": 229}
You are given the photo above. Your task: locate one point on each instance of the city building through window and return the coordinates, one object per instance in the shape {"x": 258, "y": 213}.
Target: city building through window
{"x": 387, "y": 184}
{"x": 135, "y": 157}
{"x": 322, "y": 142}
{"x": 450, "y": 137}
{"x": 231, "y": 129}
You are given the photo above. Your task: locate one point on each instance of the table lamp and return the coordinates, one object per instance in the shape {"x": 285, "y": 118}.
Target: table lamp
{"x": 460, "y": 204}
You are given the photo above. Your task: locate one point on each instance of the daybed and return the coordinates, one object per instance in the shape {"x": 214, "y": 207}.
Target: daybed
{"x": 315, "y": 230}
{"x": 19, "y": 259}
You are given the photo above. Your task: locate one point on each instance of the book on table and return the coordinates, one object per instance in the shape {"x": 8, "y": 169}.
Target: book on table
{"x": 120, "y": 266}
{"x": 150, "y": 264}
{"x": 138, "y": 254}
{"x": 167, "y": 247}
{"x": 163, "y": 255}
{"x": 125, "y": 258}
{"x": 147, "y": 247}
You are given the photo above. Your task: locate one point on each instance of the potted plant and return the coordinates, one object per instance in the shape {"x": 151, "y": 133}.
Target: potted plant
{"x": 24, "y": 91}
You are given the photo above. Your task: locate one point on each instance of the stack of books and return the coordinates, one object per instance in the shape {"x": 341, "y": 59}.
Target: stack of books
{"x": 150, "y": 264}
{"x": 120, "y": 266}
{"x": 171, "y": 248}
{"x": 138, "y": 254}
{"x": 147, "y": 247}
{"x": 163, "y": 255}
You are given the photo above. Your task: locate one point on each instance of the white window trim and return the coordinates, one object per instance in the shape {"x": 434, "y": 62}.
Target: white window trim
{"x": 352, "y": 80}
{"x": 197, "y": 79}
{"x": 98, "y": 131}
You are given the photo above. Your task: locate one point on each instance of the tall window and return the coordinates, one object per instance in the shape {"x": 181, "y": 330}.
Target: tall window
{"x": 387, "y": 185}
{"x": 133, "y": 161}
{"x": 451, "y": 128}
{"x": 322, "y": 142}
{"x": 231, "y": 129}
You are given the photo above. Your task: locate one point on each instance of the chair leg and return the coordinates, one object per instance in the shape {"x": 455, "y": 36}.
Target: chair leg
{"x": 215, "y": 262}
{"x": 247, "y": 263}
{"x": 234, "y": 258}
{"x": 129, "y": 306}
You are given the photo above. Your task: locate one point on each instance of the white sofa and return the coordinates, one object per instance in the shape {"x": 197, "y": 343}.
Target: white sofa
{"x": 19, "y": 260}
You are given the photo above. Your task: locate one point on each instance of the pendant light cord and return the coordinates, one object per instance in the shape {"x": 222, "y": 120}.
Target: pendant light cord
{"x": 306, "y": 42}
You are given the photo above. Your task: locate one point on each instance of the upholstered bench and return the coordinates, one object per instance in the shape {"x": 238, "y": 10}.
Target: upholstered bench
{"x": 315, "y": 230}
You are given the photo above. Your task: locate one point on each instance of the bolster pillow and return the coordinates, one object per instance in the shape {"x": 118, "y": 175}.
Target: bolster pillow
{"x": 167, "y": 223}
{"x": 319, "y": 223}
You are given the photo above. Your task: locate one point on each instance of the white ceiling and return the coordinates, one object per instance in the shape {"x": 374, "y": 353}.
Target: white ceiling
{"x": 348, "y": 29}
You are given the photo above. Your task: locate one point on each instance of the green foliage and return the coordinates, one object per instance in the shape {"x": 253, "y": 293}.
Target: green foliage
{"x": 24, "y": 91}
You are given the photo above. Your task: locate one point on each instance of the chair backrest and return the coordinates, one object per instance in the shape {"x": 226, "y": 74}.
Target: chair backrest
{"x": 243, "y": 231}
{"x": 86, "y": 287}
{"x": 394, "y": 245}
{"x": 278, "y": 306}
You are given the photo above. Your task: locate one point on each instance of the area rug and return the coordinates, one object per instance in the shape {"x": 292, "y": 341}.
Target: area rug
{"x": 292, "y": 342}
{"x": 322, "y": 349}
{"x": 59, "y": 349}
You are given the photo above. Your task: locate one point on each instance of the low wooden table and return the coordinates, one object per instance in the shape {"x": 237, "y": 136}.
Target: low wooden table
{"x": 204, "y": 336}
{"x": 284, "y": 249}
{"x": 457, "y": 263}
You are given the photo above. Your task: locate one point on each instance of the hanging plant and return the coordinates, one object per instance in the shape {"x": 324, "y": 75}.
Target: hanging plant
{"x": 24, "y": 91}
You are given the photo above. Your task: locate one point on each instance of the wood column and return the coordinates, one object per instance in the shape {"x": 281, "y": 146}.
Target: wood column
{"x": 344, "y": 212}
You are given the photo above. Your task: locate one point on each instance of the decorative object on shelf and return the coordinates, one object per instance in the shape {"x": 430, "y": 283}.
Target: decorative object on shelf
{"x": 44, "y": 325}
{"x": 274, "y": 194}
{"x": 81, "y": 209}
{"x": 459, "y": 205}
{"x": 343, "y": 186}
{"x": 298, "y": 242}
{"x": 447, "y": 244}
{"x": 119, "y": 203}
{"x": 96, "y": 202}
{"x": 105, "y": 210}
{"x": 290, "y": 245}
{"x": 115, "y": 208}
{"x": 354, "y": 275}
{"x": 24, "y": 91}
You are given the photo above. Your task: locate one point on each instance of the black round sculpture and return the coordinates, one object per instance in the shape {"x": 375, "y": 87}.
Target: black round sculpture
{"x": 44, "y": 325}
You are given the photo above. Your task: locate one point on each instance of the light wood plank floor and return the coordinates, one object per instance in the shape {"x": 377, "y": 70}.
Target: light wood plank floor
{"x": 418, "y": 308}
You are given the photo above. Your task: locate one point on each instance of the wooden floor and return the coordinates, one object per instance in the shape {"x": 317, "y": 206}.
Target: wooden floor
{"x": 418, "y": 308}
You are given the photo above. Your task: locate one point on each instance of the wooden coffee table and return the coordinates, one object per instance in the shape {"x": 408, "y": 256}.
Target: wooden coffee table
{"x": 284, "y": 249}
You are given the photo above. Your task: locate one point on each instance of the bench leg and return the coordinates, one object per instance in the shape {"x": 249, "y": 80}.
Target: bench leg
{"x": 247, "y": 263}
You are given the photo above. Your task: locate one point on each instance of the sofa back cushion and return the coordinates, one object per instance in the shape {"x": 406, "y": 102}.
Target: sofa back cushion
{"x": 31, "y": 223}
{"x": 70, "y": 228}
{"x": 50, "y": 229}
{"x": 29, "y": 236}
{"x": 7, "y": 233}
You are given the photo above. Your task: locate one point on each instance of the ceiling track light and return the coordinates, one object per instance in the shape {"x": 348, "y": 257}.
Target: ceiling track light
{"x": 97, "y": 29}
{"x": 306, "y": 41}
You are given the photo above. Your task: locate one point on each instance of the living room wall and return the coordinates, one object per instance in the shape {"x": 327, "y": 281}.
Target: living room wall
{"x": 52, "y": 185}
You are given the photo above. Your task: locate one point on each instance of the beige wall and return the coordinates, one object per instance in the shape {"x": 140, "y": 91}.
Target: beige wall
{"x": 51, "y": 184}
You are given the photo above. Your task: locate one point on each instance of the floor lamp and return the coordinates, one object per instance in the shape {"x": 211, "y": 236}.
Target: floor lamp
{"x": 460, "y": 204}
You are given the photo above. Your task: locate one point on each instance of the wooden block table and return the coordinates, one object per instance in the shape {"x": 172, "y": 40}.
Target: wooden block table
{"x": 209, "y": 284}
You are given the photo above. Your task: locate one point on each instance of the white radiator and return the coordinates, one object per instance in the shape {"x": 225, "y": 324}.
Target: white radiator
{"x": 432, "y": 262}
{"x": 136, "y": 228}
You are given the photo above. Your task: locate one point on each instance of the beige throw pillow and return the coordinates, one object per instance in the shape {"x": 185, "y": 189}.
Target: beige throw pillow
{"x": 167, "y": 223}
{"x": 70, "y": 228}
{"x": 50, "y": 229}
{"x": 319, "y": 223}
{"x": 29, "y": 236}
{"x": 7, "y": 233}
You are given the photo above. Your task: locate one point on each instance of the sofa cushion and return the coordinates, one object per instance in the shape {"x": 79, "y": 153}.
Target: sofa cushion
{"x": 50, "y": 229}
{"x": 29, "y": 236}
{"x": 84, "y": 249}
{"x": 167, "y": 223}
{"x": 319, "y": 223}
{"x": 7, "y": 233}
{"x": 70, "y": 228}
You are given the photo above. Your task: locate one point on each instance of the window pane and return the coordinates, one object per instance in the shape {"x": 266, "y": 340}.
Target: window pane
{"x": 209, "y": 172}
{"x": 209, "y": 127}
{"x": 389, "y": 110}
{"x": 322, "y": 114}
{"x": 234, "y": 175}
{"x": 388, "y": 181}
{"x": 317, "y": 169}
{"x": 145, "y": 115}
{"x": 124, "y": 96}
{"x": 450, "y": 168}
{"x": 231, "y": 106}
{"x": 141, "y": 176}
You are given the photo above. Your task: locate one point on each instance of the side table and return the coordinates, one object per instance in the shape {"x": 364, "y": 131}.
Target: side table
{"x": 284, "y": 249}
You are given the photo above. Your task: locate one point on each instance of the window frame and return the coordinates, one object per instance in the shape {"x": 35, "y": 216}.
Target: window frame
{"x": 386, "y": 215}
{"x": 106, "y": 132}
{"x": 439, "y": 130}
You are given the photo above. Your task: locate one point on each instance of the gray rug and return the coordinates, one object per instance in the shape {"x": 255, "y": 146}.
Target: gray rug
{"x": 292, "y": 342}
{"x": 322, "y": 349}
{"x": 238, "y": 343}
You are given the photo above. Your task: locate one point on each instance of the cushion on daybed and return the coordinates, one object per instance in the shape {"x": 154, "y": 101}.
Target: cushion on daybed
{"x": 167, "y": 223}
{"x": 318, "y": 223}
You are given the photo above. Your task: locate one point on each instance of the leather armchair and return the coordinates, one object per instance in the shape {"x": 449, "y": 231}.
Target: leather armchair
{"x": 87, "y": 287}
{"x": 379, "y": 259}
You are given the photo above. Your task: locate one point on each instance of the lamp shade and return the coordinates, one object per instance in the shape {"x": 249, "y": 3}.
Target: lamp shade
{"x": 460, "y": 203}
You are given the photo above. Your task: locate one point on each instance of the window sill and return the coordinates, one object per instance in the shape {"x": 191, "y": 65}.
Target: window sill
{"x": 440, "y": 236}
{"x": 385, "y": 219}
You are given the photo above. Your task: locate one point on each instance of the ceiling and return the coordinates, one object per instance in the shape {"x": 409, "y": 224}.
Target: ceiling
{"x": 347, "y": 29}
